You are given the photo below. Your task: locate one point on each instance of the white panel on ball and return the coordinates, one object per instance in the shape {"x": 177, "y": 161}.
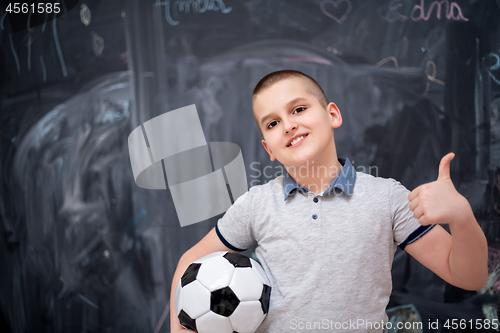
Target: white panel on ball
{"x": 215, "y": 273}
{"x": 260, "y": 272}
{"x": 195, "y": 299}
{"x": 213, "y": 323}
{"x": 247, "y": 317}
{"x": 248, "y": 286}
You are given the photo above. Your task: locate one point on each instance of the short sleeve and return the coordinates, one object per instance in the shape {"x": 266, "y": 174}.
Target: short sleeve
{"x": 235, "y": 228}
{"x": 406, "y": 228}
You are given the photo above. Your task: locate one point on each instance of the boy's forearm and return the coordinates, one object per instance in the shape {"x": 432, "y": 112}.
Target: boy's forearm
{"x": 469, "y": 254}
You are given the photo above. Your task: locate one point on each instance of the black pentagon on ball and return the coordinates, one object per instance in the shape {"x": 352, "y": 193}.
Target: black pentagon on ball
{"x": 264, "y": 298}
{"x": 190, "y": 274}
{"x": 238, "y": 260}
{"x": 223, "y": 301}
{"x": 187, "y": 321}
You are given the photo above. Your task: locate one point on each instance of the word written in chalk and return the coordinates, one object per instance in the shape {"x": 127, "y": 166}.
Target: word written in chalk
{"x": 174, "y": 8}
{"x": 442, "y": 9}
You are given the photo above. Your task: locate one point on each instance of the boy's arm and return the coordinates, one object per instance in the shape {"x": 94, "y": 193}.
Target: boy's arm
{"x": 209, "y": 244}
{"x": 461, "y": 258}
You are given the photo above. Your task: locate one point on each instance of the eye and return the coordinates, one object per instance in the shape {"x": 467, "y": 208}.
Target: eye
{"x": 272, "y": 124}
{"x": 299, "y": 109}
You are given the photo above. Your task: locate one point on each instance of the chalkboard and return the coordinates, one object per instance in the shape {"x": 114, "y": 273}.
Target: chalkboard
{"x": 83, "y": 248}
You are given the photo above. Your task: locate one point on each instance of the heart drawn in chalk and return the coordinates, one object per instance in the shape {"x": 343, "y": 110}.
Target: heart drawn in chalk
{"x": 336, "y": 5}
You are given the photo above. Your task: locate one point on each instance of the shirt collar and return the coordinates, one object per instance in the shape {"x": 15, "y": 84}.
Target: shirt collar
{"x": 344, "y": 181}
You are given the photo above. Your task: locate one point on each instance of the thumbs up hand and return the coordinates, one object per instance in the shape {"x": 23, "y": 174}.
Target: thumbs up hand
{"x": 439, "y": 202}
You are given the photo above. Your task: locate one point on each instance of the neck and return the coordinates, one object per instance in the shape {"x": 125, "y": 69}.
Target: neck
{"x": 317, "y": 177}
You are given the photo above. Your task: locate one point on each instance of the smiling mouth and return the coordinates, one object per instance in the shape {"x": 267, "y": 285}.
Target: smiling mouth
{"x": 297, "y": 140}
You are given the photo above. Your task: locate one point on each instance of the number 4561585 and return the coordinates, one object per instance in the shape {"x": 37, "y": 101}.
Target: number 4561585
{"x": 40, "y": 8}
{"x": 477, "y": 324}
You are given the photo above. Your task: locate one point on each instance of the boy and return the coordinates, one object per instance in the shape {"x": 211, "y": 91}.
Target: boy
{"x": 327, "y": 234}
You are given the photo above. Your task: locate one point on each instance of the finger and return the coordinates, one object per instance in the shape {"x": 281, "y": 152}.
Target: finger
{"x": 423, "y": 220}
{"x": 414, "y": 204}
{"x": 418, "y": 212}
{"x": 413, "y": 194}
{"x": 444, "y": 166}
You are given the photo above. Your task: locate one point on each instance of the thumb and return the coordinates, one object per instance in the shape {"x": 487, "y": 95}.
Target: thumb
{"x": 444, "y": 167}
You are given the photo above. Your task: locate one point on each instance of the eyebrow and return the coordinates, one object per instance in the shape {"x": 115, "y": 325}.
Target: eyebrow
{"x": 293, "y": 101}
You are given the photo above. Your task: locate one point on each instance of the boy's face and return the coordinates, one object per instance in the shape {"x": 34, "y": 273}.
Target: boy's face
{"x": 296, "y": 127}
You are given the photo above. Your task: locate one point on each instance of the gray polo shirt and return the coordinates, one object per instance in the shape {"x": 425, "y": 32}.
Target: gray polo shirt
{"x": 328, "y": 256}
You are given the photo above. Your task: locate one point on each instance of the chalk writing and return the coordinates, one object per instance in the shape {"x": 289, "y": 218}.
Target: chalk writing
{"x": 431, "y": 76}
{"x": 451, "y": 11}
{"x": 97, "y": 44}
{"x": 392, "y": 14}
{"x": 29, "y": 47}
{"x": 305, "y": 59}
{"x": 58, "y": 47}
{"x": 336, "y": 4}
{"x": 14, "y": 53}
{"x": 362, "y": 30}
{"x": 30, "y": 40}
{"x": 386, "y": 60}
{"x": 495, "y": 66}
{"x": 162, "y": 318}
{"x": 334, "y": 50}
{"x": 29, "y": 19}
{"x": 1, "y": 21}
{"x": 85, "y": 15}
{"x": 173, "y": 8}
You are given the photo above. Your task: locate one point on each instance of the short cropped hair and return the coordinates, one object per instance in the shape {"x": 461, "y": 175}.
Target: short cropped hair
{"x": 274, "y": 77}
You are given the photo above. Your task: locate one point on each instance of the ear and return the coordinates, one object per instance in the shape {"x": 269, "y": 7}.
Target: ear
{"x": 272, "y": 157}
{"x": 334, "y": 112}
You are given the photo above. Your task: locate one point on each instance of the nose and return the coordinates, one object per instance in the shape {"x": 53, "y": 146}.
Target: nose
{"x": 289, "y": 125}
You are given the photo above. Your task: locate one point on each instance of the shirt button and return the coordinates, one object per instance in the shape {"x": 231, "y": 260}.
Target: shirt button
{"x": 315, "y": 216}
{"x": 315, "y": 199}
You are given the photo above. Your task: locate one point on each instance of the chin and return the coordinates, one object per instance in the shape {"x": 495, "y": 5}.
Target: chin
{"x": 301, "y": 163}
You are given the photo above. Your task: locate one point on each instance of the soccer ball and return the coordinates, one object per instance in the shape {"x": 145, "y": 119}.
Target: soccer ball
{"x": 223, "y": 292}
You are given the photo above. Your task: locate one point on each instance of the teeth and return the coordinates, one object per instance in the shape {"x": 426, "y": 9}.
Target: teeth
{"x": 297, "y": 140}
